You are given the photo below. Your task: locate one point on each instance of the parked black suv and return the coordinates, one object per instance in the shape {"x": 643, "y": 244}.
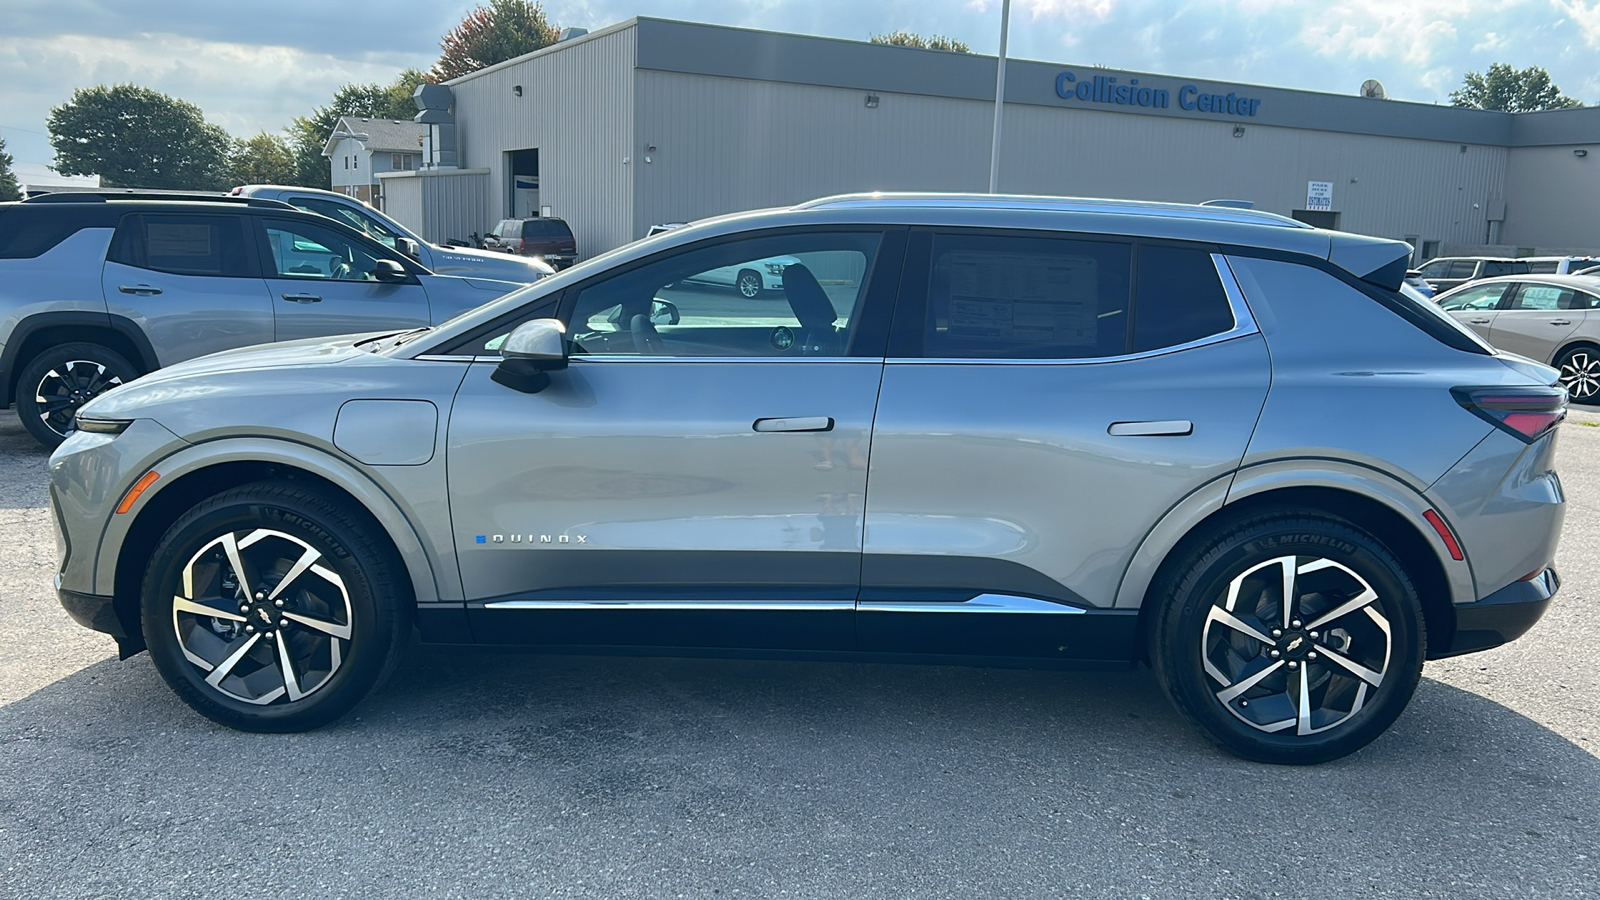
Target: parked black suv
{"x": 547, "y": 238}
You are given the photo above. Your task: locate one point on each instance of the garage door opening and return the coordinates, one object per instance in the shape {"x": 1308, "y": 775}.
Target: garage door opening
{"x": 522, "y": 183}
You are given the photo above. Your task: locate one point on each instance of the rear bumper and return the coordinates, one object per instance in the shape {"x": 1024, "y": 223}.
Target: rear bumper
{"x": 1503, "y": 616}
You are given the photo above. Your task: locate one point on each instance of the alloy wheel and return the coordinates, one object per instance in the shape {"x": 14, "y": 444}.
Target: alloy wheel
{"x": 750, "y": 285}
{"x": 1580, "y": 375}
{"x": 66, "y": 387}
{"x": 262, "y": 616}
{"x": 1298, "y": 644}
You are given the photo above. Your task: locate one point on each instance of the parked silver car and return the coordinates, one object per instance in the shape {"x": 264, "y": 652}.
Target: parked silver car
{"x": 1447, "y": 272}
{"x": 1542, "y": 317}
{"x": 98, "y": 289}
{"x": 978, "y": 428}
{"x": 441, "y": 260}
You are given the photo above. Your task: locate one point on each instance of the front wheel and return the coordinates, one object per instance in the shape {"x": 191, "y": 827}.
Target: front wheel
{"x": 62, "y": 378}
{"x": 1289, "y": 638}
{"x": 1580, "y": 374}
{"x": 270, "y": 608}
{"x": 749, "y": 284}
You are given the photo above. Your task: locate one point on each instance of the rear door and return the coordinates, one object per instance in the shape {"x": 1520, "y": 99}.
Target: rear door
{"x": 190, "y": 281}
{"x": 322, "y": 283}
{"x": 1027, "y": 436}
{"x": 1538, "y": 318}
{"x": 1476, "y": 307}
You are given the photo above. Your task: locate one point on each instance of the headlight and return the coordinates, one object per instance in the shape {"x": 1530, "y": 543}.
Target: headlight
{"x": 775, "y": 268}
{"x": 103, "y": 426}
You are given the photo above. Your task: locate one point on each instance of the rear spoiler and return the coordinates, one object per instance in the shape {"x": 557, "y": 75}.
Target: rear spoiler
{"x": 1377, "y": 261}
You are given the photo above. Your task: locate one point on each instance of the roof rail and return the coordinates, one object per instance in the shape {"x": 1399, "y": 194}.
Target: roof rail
{"x": 102, "y": 196}
{"x": 1052, "y": 204}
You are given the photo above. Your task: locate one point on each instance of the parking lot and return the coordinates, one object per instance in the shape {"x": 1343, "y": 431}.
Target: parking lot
{"x": 482, "y": 775}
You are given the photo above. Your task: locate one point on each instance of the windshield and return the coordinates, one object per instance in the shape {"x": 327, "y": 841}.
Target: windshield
{"x": 362, "y": 221}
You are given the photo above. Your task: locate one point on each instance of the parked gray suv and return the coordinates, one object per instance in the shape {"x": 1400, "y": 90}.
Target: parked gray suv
{"x": 1018, "y": 430}
{"x": 98, "y": 289}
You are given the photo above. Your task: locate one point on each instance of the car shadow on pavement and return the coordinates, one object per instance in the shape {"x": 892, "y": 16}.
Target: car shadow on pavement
{"x": 897, "y": 769}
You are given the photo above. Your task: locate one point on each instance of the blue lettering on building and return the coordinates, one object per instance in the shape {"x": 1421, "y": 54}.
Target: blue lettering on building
{"x": 1105, "y": 89}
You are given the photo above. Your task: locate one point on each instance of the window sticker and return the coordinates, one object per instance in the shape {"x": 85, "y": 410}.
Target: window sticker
{"x": 1033, "y": 298}
{"x": 178, "y": 239}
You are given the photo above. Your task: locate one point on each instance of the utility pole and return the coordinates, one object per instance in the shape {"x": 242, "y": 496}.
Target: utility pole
{"x": 999, "y": 96}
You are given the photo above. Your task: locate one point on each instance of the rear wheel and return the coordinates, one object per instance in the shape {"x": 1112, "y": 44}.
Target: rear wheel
{"x": 1580, "y": 374}
{"x": 748, "y": 284}
{"x": 269, "y": 608}
{"x": 55, "y": 383}
{"x": 1289, "y": 638}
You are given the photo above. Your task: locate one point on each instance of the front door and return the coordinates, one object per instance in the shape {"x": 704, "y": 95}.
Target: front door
{"x": 697, "y": 476}
{"x": 190, "y": 283}
{"x": 1029, "y": 436}
{"x": 1477, "y": 307}
{"x": 1538, "y": 319}
{"x": 322, "y": 283}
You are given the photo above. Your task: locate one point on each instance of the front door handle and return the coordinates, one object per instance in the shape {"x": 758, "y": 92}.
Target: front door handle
{"x": 1480, "y": 321}
{"x": 302, "y": 298}
{"x": 1164, "y": 428}
{"x": 142, "y": 289}
{"x": 803, "y": 423}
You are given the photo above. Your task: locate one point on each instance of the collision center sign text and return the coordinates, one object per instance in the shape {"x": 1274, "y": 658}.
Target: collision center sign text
{"x": 1105, "y": 89}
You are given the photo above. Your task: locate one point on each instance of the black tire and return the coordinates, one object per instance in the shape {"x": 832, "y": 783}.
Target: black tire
{"x": 748, "y": 283}
{"x": 1580, "y": 373}
{"x": 1204, "y": 664}
{"x": 66, "y": 376}
{"x": 272, "y": 523}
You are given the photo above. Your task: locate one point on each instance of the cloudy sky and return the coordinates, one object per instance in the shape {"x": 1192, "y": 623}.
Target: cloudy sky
{"x": 255, "y": 66}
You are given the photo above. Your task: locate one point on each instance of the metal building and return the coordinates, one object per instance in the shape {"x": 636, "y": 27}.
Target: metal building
{"x": 653, "y": 121}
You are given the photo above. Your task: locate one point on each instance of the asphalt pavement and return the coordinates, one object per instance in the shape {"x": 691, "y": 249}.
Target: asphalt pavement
{"x": 510, "y": 775}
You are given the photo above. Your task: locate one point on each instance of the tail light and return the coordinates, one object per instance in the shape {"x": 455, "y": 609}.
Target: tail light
{"x": 1526, "y": 412}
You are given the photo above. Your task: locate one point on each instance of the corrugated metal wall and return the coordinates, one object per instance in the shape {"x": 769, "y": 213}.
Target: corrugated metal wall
{"x": 577, "y": 108}
{"x": 1553, "y": 197}
{"x": 456, "y": 203}
{"x": 727, "y": 144}
{"x": 402, "y": 200}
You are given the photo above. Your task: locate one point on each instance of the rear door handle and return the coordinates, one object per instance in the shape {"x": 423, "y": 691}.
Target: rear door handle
{"x": 302, "y": 298}
{"x": 803, "y": 423}
{"x": 1163, "y": 428}
{"x": 1561, "y": 322}
{"x": 143, "y": 289}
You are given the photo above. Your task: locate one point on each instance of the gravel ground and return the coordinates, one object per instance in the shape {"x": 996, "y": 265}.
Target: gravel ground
{"x": 505, "y": 775}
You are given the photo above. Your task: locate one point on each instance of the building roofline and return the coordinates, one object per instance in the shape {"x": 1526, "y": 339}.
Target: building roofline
{"x": 545, "y": 51}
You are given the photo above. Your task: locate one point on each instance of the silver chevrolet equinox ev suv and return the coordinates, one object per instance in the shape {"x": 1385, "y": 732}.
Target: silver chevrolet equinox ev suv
{"x": 1010, "y": 430}
{"x": 98, "y": 289}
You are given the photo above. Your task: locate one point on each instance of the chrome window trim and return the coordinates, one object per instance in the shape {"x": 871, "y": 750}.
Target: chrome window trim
{"x": 722, "y": 605}
{"x": 983, "y": 603}
{"x": 618, "y": 357}
{"x": 1243, "y": 324}
{"x": 447, "y": 357}
{"x": 890, "y": 200}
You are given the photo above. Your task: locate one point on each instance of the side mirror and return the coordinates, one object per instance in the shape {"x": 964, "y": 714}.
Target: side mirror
{"x": 389, "y": 272}
{"x": 663, "y": 312}
{"x": 408, "y": 247}
{"x": 532, "y": 351}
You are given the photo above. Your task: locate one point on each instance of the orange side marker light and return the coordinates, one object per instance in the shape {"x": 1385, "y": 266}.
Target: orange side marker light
{"x": 138, "y": 488}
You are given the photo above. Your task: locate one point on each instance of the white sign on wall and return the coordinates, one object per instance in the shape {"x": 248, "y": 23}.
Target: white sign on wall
{"x": 1319, "y": 196}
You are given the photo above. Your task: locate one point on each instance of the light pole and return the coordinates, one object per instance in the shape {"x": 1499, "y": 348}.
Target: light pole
{"x": 999, "y": 96}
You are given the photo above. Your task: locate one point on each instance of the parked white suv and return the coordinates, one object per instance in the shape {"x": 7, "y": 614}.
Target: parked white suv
{"x": 462, "y": 261}
{"x": 1560, "y": 265}
{"x": 1447, "y": 272}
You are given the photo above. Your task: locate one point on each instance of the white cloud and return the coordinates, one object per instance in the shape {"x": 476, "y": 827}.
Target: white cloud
{"x": 1584, "y": 15}
{"x": 1490, "y": 42}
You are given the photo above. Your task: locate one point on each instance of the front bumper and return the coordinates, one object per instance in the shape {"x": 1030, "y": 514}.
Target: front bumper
{"x": 99, "y": 613}
{"x": 1503, "y": 616}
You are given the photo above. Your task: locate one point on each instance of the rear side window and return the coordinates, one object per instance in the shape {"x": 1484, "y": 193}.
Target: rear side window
{"x": 1491, "y": 269}
{"x": 1005, "y": 297}
{"x": 183, "y": 245}
{"x": 1544, "y": 267}
{"x": 1544, "y": 297}
{"x": 29, "y": 233}
{"x": 1461, "y": 268}
{"x": 1178, "y": 298}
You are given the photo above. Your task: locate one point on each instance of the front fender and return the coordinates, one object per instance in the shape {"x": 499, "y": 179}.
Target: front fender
{"x": 423, "y": 571}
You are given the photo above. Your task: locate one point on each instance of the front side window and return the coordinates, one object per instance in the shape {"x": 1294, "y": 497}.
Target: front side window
{"x": 1486, "y": 296}
{"x": 699, "y": 303}
{"x": 183, "y": 245}
{"x": 302, "y": 250}
{"x": 1006, "y": 297}
{"x": 1435, "y": 269}
{"x": 1491, "y": 269}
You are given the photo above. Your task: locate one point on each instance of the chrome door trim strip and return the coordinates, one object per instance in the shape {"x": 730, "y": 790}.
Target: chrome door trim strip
{"x": 983, "y": 603}
{"x": 680, "y": 605}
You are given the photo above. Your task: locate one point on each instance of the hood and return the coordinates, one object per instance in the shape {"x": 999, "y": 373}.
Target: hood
{"x": 124, "y": 402}
{"x": 487, "y": 264}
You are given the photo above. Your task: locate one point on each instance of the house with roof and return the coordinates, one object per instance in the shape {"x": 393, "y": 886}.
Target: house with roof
{"x": 360, "y": 148}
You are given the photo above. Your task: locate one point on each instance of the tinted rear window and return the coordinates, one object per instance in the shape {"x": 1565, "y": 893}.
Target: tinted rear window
{"x": 27, "y": 232}
{"x": 1179, "y": 298}
{"x": 183, "y": 245}
{"x": 545, "y": 228}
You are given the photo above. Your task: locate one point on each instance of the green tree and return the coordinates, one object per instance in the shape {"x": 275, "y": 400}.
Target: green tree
{"x": 9, "y": 189}
{"x": 135, "y": 137}
{"x": 263, "y": 159}
{"x": 1509, "y": 90}
{"x": 931, "y": 42}
{"x": 309, "y": 134}
{"x": 505, "y": 29}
